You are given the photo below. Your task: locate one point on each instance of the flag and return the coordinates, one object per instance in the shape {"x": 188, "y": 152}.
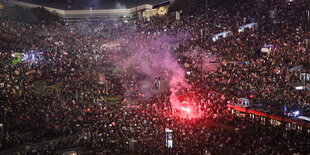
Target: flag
{"x": 17, "y": 60}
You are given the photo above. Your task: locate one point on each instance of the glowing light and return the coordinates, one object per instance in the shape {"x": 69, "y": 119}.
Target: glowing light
{"x": 188, "y": 110}
{"x": 296, "y": 113}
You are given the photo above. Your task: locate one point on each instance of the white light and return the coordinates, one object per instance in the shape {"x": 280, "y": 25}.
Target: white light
{"x": 296, "y": 113}
{"x": 168, "y": 130}
{"x": 126, "y": 21}
{"x": 188, "y": 110}
{"x": 304, "y": 118}
{"x": 300, "y": 88}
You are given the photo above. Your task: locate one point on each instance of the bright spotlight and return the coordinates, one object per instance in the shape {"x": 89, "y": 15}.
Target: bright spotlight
{"x": 296, "y": 113}
{"x": 188, "y": 110}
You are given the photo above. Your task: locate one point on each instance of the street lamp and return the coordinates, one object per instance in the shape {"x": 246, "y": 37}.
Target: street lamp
{"x": 307, "y": 37}
{"x": 90, "y": 11}
{"x": 307, "y": 30}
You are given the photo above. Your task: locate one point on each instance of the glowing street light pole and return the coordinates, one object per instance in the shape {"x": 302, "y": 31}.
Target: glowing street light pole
{"x": 90, "y": 12}
{"x": 307, "y": 37}
{"x": 307, "y": 30}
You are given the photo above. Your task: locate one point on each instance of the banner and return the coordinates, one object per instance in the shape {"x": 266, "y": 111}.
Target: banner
{"x": 17, "y": 58}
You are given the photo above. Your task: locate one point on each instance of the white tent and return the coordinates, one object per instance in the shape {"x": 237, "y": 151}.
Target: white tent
{"x": 267, "y": 49}
{"x": 296, "y": 68}
{"x": 247, "y": 26}
{"x": 222, "y": 35}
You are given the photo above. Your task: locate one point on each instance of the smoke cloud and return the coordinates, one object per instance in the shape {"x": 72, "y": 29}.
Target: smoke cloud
{"x": 120, "y": 6}
{"x": 148, "y": 59}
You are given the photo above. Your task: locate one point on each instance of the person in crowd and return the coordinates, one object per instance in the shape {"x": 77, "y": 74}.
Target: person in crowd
{"x": 65, "y": 96}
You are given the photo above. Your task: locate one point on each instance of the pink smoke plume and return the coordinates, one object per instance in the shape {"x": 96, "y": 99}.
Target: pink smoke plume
{"x": 146, "y": 57}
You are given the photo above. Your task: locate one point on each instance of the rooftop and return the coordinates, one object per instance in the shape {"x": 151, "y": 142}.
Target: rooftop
{"x": 94, "y": 4}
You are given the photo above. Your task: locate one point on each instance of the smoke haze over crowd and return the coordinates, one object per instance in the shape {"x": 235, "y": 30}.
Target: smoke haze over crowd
{"x": 151, "y": 58}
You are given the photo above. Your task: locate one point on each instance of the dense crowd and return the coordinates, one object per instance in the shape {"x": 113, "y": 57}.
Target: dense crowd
{"x": 64, "y": 96}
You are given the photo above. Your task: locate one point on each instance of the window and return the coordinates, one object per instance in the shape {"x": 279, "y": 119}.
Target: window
{"x": 239, "y": 114}
{"x": 252, "y": 116}
{"x": 263, "y": 120}
{"x": 299, "y": 128}
{"x": 290, "y": 126}
{"x": 275, "y": 122}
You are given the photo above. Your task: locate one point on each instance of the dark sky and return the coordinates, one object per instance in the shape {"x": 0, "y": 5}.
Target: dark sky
{"x": 96, "y": 4}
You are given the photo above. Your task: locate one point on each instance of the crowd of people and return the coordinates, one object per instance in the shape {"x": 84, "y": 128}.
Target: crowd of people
{"x": 68, "y": 94}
